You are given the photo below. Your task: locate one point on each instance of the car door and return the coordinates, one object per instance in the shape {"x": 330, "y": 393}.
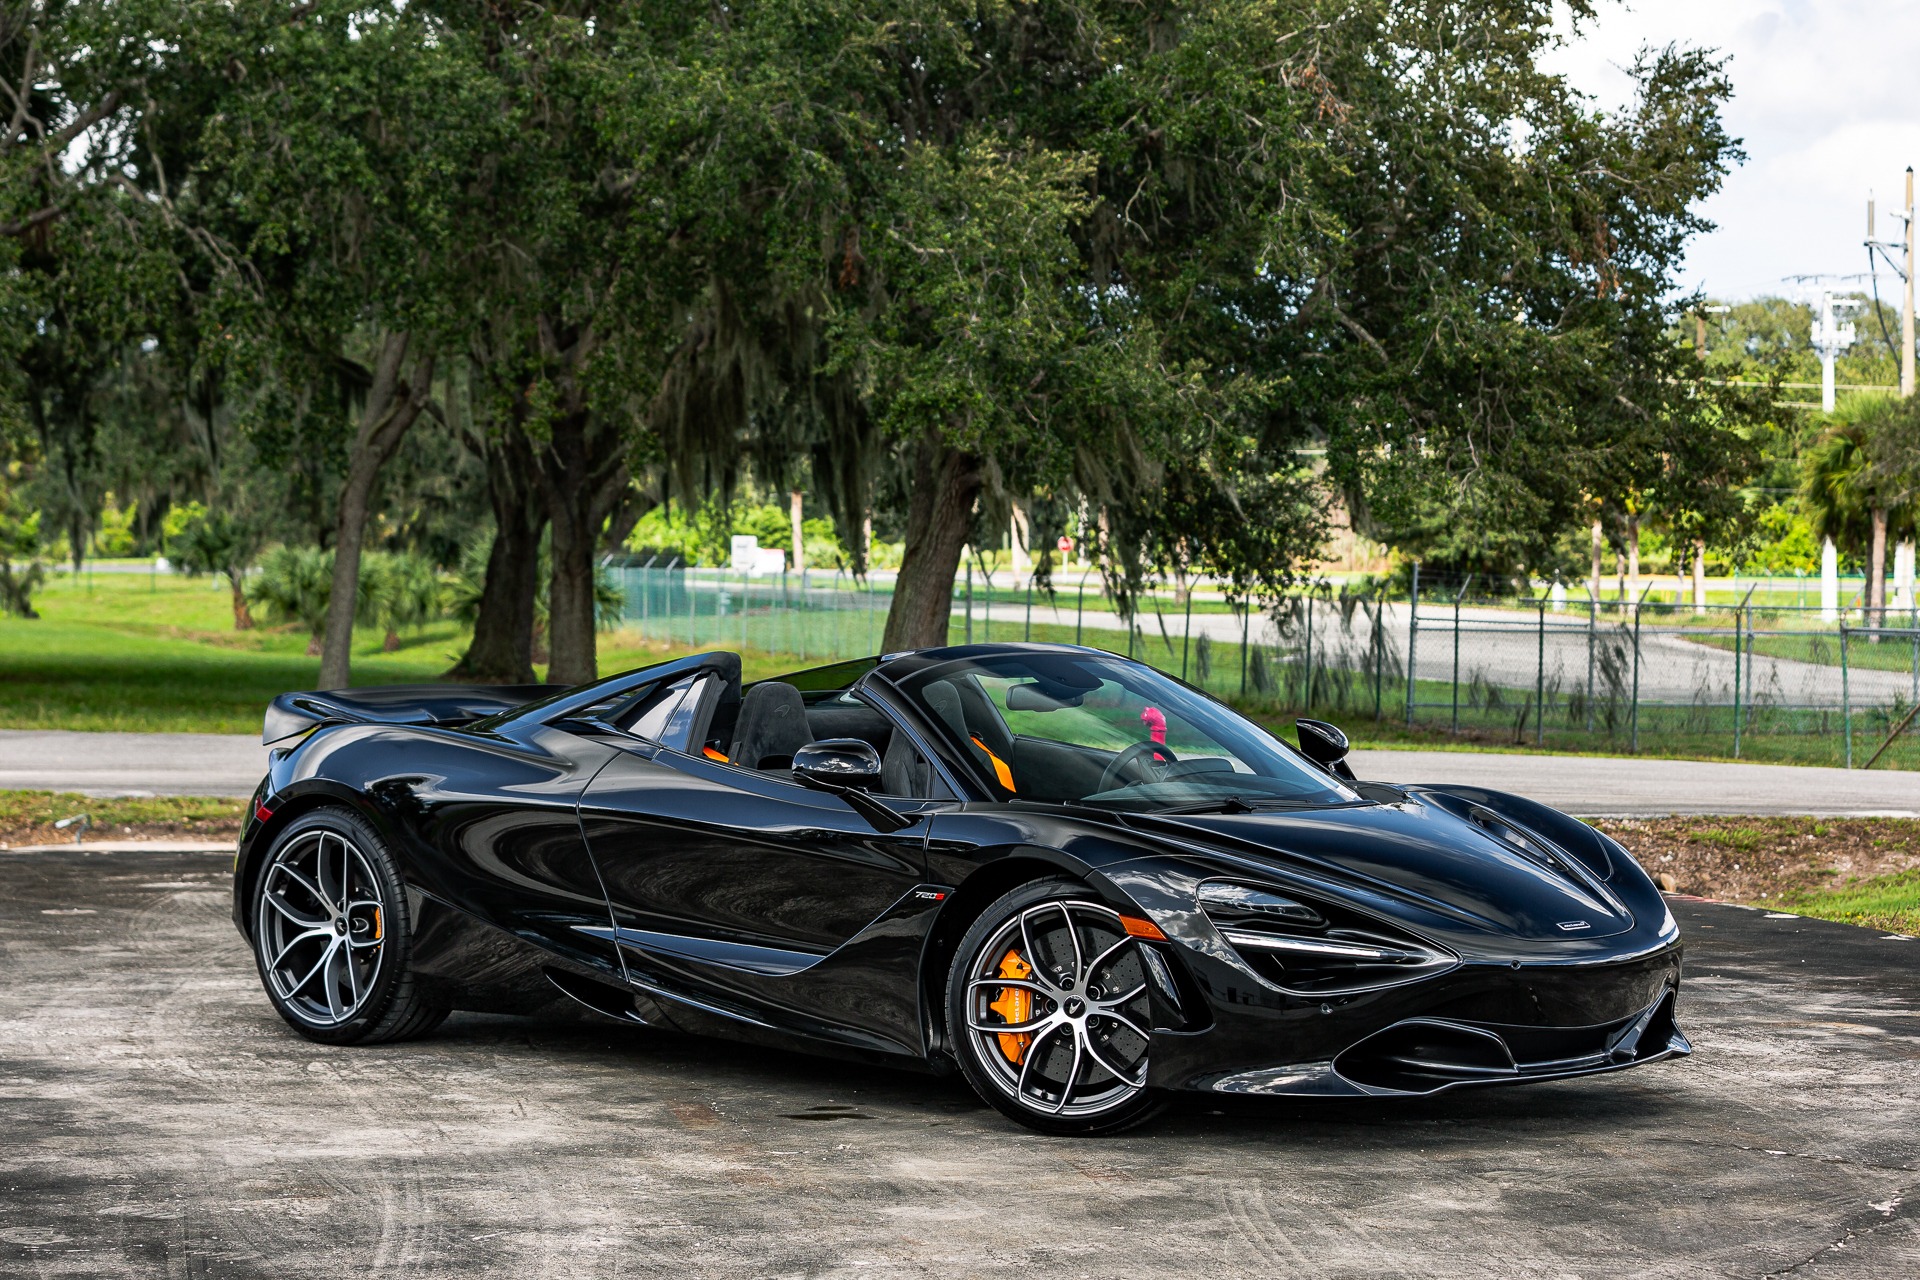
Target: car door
{"x": 717, "y": 874}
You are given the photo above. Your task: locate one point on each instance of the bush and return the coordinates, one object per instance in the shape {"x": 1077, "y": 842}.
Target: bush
{"x": 293, "y": 586}
{"x": 21, "y": 568}
{"x": 401, "y": 592}
{"x": 200, "y": 541}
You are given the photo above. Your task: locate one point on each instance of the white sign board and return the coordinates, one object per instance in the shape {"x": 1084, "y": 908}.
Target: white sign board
{"x": 746, "y": 553}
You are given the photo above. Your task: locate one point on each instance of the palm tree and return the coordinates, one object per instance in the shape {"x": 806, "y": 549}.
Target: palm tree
{"x": 293, "y": 586}
{"x": 1859, "y": 484}
{"x": 403, "y": 591}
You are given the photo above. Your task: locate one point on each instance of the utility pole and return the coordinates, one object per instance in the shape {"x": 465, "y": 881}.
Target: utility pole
{"x": 1903, "y": 269}
{"x": 1831, "y": 336}
{"x": 1906, "y": 304}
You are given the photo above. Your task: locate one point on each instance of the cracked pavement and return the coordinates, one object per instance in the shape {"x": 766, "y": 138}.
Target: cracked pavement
{"x": 160, "y": 1120}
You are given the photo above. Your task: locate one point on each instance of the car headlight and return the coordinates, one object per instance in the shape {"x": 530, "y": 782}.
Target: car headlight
{"x": 1314, "y": 948}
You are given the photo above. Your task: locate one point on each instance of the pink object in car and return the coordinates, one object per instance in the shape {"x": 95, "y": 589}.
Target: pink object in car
{"x": 1156, "y": 723}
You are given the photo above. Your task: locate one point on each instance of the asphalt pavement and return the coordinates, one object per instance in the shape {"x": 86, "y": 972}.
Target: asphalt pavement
{"x": 231, "y": 765}
{"x": 159, "y": 1120}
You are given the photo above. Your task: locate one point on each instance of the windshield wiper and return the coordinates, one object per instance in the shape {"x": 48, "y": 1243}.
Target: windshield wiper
{"x": 1226, "y": 804}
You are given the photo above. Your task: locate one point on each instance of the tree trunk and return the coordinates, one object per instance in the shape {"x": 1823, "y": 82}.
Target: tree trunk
{"x": 242, "y": 615}
{"x": 393, "y": 403}
{"x": 582, "y": 474}
{"x": 1019, "y": 542}
{"x": 1599, "y": 543}
{"x": 1877, "y": 570}
{"x": 571, "y": 634}
{"x": 1699, "y": 575}
{"x": 1633, "y": 555}
{"x": 939, "y": 515}
{"x": 501, "y": 651}
{"x": 797, "y": 519}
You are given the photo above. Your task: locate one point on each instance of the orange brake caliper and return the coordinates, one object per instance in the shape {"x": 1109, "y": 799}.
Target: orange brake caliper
{"x": 1014, "y": 1005}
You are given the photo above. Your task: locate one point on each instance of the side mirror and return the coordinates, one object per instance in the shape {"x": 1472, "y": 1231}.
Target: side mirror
{"x": 1326, "y": 746}
{"x": 834, "y": 764}
{"x": 849, "y": 768}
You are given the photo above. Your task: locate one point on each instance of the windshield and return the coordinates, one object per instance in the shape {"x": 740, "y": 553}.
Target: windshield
{"x": 1094, "y": 729}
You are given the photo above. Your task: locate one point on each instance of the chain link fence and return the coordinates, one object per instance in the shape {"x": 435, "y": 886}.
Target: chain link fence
{"x": 1783, "y": 682}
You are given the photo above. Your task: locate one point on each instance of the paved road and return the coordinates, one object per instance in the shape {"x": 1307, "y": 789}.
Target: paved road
{"x": 217, "y": 764}
{"x": 160, "y": 1120}
{"x": 1597, "y": 785}
{"x": 175, "y": 764}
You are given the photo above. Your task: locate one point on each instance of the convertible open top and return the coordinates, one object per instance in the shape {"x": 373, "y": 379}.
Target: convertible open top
{"x": 292, "y": 714}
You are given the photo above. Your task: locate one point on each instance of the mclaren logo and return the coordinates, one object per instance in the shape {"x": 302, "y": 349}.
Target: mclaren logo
{"x": 1575, "y": 926}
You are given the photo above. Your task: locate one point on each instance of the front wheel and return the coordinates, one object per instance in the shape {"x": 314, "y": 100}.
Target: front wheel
{"x": 1048, "y": 1014}
{"x": 331, "y": 934}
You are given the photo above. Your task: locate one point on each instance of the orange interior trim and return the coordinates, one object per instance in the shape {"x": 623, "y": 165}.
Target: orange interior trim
{"x": 1000, "y": 769}
{"x": 715, "y": 755}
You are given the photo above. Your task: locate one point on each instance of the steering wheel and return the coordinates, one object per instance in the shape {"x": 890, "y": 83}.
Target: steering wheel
{"x": 1131, "y": 755}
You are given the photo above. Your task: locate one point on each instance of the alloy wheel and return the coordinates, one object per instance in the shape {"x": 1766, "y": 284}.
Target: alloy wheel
{"x": 321, "y": 928}
{"x": 1057, "y": 1006}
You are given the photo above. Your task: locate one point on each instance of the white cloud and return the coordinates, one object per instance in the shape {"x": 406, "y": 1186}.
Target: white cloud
{"x": 1826, "y": 100}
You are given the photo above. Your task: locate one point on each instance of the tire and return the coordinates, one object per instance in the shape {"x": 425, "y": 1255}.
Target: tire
{"x": 1037, "y": 960}
{"x": 332, "y": 937}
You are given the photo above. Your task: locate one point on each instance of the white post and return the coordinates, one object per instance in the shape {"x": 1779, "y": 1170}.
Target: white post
{"x": 1830, "y": 337}
{"x": 1903, "y": 574}
{"x": 1829, "y": 581}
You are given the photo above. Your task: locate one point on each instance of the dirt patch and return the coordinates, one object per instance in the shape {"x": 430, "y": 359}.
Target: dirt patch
{"x": 1767, "y": 859}
{"x": 28, "y": 818}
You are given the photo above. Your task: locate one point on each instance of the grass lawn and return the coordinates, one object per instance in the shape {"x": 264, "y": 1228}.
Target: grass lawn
{"x": 1824, "y": 649}
{"x": 1863, "y": 871}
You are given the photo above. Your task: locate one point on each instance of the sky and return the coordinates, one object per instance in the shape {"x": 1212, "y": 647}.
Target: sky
{"x": 1827, "y": 102}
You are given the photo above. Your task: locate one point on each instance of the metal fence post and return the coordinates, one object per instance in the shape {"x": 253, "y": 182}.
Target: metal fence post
{"x": 1633, "y": 715}
{"x": 1246, "y": 637}
{"x": 1379, "y": 653}
{"x": 1593, "y": 628}
{"x": 1413, "y": 635}
{"x": 1080, "y": 608}
{"x": 1029, "y": 635}
{"x": 1846, "y": 696}
{"x": 1540, "y": 681}
{"x": 896, "y": 587}
{"x": 1306, "y": 700}
{"x": 1456, "y": 652}
{"x": 1185, "y": 640}
{"x": 1739, "y": 642}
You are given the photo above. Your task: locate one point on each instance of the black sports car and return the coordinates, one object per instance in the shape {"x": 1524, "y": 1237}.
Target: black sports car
{"x": 1084, "y": 883}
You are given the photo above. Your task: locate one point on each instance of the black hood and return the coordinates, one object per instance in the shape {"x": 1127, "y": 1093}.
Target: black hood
{"x": 1442, "y": 861}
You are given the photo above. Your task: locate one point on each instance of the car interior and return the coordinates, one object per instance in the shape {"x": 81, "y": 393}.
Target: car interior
{"x": 761, "y": 726}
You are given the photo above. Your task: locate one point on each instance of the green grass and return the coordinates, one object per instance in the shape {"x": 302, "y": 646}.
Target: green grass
{"x": 27, "y": 817}
{"x": 1824, "y": 650}
{"x": 132, "y": 653}
{"x": 1889, "y": 902}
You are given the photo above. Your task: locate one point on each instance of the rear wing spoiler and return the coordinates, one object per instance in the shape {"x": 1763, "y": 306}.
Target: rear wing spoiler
{"x": 292, "y": 714}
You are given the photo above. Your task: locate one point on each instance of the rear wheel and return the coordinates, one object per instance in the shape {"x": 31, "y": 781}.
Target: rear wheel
{"x": 331, "y": 934}
{"x": 1048, "y": 1014}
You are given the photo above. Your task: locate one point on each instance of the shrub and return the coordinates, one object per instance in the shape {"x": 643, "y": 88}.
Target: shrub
{"x": 293, "y": 586}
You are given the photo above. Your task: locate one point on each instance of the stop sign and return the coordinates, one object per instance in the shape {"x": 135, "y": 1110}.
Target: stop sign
{"x": 1065, "y": 543}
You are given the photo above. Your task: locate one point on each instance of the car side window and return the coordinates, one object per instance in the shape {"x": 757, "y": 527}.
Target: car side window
{"x": 665, "y": 712}
{"x": 905, "y": 771}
